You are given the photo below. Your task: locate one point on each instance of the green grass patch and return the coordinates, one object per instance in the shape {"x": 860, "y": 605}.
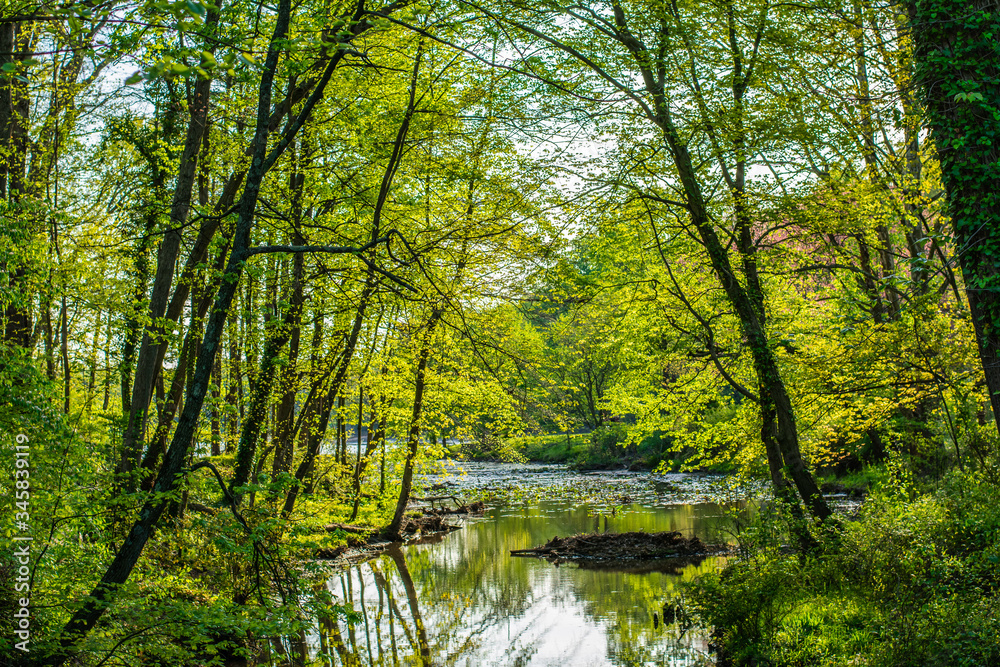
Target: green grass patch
{"x": 552, "y": 447}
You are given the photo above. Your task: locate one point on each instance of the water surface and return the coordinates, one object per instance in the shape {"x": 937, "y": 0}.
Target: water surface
{"x": 461, "y": 599}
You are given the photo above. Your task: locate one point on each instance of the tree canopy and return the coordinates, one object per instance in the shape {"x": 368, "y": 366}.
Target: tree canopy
{"x": 264, "y": 260}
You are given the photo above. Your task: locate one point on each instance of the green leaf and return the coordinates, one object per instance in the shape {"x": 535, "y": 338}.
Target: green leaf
{"x": 134, "y": 79}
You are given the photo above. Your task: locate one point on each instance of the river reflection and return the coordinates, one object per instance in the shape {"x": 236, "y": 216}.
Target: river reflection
{"x": 463, "y": 600}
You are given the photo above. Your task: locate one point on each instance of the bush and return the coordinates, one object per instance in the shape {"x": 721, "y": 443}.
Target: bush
{"x": 745, "y": 605}
{"x": 911, "y": 582}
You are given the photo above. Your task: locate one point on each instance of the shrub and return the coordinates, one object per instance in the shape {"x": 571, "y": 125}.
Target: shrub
{"x": 914, "y": 581}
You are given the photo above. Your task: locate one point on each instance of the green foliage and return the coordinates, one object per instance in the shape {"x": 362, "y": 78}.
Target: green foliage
{"x": 551, "y": 448}
{"x": 910, "y": 582}
{"x": 470, "y": 227}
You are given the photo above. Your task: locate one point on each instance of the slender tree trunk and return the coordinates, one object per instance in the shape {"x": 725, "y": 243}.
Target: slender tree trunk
{"x": 64, "y": 353}
{"x": 747, "y": 302}
{"x": 306, "y": 466}
{"x": 256, "y": 414}
{"x": 133, "y": 330}
{"x": 146, "y": 368}
{"x": 363, "y": 457}
{"x": 49, "y": 340}
{"x": 106, "y": 354}
{"x": 288, "y": 382}
{"x": 216, "y": 394}
{"x": 413, "y": 434}
{"x": 233, "y": 389}
{"x": 174, "y": 397}
{"x": 95, "y": 341}
{"x": 341, "y": 430}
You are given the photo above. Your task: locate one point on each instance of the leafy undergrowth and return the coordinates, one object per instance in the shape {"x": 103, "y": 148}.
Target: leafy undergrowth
{"x": 913, "y": 581}
{"x": 552, "y": 448}
{"x": 608, "y": 448}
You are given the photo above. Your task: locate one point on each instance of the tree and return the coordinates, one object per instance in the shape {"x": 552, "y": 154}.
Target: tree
{"x": 606, "y": 49}
{"x": 264, "y": 157}
{"x": 959, "y": 74}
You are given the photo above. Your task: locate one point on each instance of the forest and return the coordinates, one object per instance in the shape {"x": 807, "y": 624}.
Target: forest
{"x": 268, "y": 268}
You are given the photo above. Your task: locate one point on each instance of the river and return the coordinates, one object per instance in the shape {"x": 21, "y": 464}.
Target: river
{"x": 461, "y": 599}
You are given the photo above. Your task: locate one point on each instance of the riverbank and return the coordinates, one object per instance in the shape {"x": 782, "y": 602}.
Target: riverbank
{"x": 912, "y": 579}
{"x": 602, "y": 449}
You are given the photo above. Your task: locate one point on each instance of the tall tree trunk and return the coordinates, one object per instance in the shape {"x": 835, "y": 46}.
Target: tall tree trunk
{"x": 166, "y": 258}
{"x": 959, "y": 73}
{"x": 128, "y": 554}
{"x": 15, "y": 47}
{"x": 106, "y": 353}
{"x": 289, "y": 378}
{"x": 133, "y": 328}
{"x": 306, "y": 466}
{"x": 174, "y": 397}
{"x": 49, "y": 342}
{"x": 64, "y": 352}
{"x": 216, "y": 394}
{"x": 233, "y": 390}
{"x": 256, "y": 413}
{"x": 341, "y": 430}
{"x": 747, "y": 302}
{"x": 362, "y": 462}
{"x": 95, "y": 342}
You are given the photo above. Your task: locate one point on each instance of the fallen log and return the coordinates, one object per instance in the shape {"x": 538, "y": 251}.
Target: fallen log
{"x": 477, "y": 507}
{"x": 347, "y": 528}
{"x": 537, "y": 551}
{"x": 433, "y": 499}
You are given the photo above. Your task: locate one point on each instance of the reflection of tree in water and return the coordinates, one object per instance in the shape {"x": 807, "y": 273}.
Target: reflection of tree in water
{"x": 393, "y": 629}
{"x": 624, "y": 603}
{"x": 465, "y": 601}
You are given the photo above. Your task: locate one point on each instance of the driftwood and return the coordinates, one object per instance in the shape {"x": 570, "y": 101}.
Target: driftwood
{"x": 608, "y": 547}
{"x": 477, "y": 507}
{"x": 347, "y": 528}
{"x": 431, "y": 499}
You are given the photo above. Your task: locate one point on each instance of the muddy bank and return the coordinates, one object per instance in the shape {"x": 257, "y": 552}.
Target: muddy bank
{"x": 418, "y": 528}
{"x": 614, "y": 549}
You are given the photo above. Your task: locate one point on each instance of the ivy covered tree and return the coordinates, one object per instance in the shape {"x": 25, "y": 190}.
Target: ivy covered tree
{"x": 955, "y": 48}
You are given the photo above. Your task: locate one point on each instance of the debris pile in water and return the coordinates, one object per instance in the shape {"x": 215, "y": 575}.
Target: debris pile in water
{"x": 477, "y": 507}
{"x": 609, "y": 547}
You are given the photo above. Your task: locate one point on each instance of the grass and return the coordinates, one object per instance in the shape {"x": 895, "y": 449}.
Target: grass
{"x": 865, "y": 479}
{"x": 552, "y": 448}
